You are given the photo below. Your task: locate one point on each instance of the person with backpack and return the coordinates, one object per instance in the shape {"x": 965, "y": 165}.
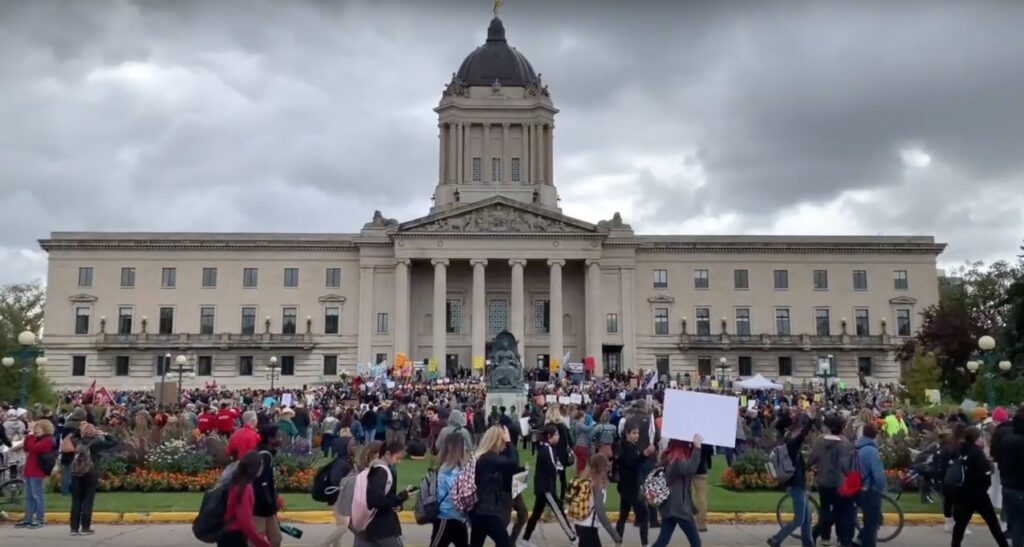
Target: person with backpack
{"x": 1009, "y": 455}
{"x": 496, "y": 463}
{"x": 239, "y": 528}
{"x": 592, "y": 484}
{"x": 872, "y": 485}
{"x": 949, "y": 451}
{"x": 450, "y": 526}
{"x": 831, "y": 455}
{"x": 328, "y": 430}
{"x": 630, "y": 461}
{"x": 374, "y": 520}
{"x": 85, "y": 473}
{"x": 346, "y": 465}
{"x": 265, "y": 503}
{"x": 974, "y": 477}
{"x": 565, "y": 456}
{"x": 796, "y": 483}
{"x": 583, "y": 446}
{"x": 604, "y": 436}
{"x": 549, "y": 466}
{"x": 40, "y": 459}
{"x": 680, "y": 461}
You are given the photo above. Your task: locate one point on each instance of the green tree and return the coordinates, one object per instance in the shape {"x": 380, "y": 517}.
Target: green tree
{"x": 21, "y": 309}
{"x": 924, "y": 374}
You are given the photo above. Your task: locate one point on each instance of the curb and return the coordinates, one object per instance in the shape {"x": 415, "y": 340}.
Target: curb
{"x": 407, "y": 517}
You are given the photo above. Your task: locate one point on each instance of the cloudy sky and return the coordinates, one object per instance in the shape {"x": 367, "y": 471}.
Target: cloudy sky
{"x": 711, "y": 117}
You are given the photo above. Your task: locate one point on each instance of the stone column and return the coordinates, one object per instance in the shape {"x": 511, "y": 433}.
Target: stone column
{"x": 485, "y": 160}
{"x": 555, "y": 320}
{"x": 516, "y": 309}
{"x": 479, "y": 328}
{"x": 594, "y": 310}
{"x": 541, "y": 148}
{"x": 527, "y": 167}
{"x": 550, "y": 155}
{"x": 440, "y": 153}
{"x": 506, "y": 153}
{"x": 457, "y": 166}
{"x": 364, "y": 346}
{"x": 449, "y": 166}
{"x": 402, "y": 306}
{"x": 628, "y": 323}
{"x": 440, "y": 331}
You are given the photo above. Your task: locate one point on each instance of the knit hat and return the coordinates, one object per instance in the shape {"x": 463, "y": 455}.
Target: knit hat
{"x": 979, "y": 413}
{"x": 1000, "y": 415}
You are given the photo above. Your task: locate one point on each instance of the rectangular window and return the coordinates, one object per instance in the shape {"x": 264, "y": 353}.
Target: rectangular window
{"x": 82, "y": 320}
{"x": 85, "y": 276}
{"x": 168, "y": 277}
{"x": 250, "y": 277}
{"x": 660, "y": 320}
{"x": 661, "y": 363}
{"x": 382, "y": 358}
{"x": 332, "y": 323}
{"x": 162, "y": 363}
{"x": 495, "y": 169}
{"x": 382, "y": 323}
{"x": 330, "y": 365}
{"x": 78, "y": 365}
{"x": 477, "y": 168}
{"x": 862, "y": 322}
{"x": 289, "y": 316}
{"x": 660, "y": 279}
{"x": 125, "y": 315}
{"x": 515, "y": 169}
{"x": 900, "y": 280}
{"x": 903, "y": 322}
{"x": 746, "y": 363}
{"x": 704, "y": 365}
{"x": 743, "y": 321}
{"x": 864, "y": 366}
{"x": 700, "y": 279}
{"x": 209, "y": 277}
{"x": 127, "y": 277}
{"x": 740, "y": 279}
{"x": 333, "y": 278}
{"x": 860, "y": 280}
{"x": 291, "y": 277}
{"x": 497, "y": 315}
{"x": 821, "y": 322}
{"x": 785, "y": 366}
{"x": 207, "y": 316}
{"x": 821, "y": 280}
{"x": 166, "y": 320}
{"x": 782, "y": 322}
{"x": 612, "y": 323}
{"x": 121, "y": 365}
{"x": 703, "y": 321}
{"x": 204, "y": 365}
{"x": 541, "y": 316}
{"x": 245, "y": 365}
{"x": 781, "y": 279}
{"x": 453, "y": 316}
{"x": 248, "y": 320}
{"x": 287, "y": 365}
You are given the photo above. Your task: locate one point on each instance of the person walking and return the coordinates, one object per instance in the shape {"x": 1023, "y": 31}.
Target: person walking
{"x": 384, "y": 529}
{"x": 586, "y": 528}
{"x": 344, "y": 449}
{"x": 450, "y": 526}
{"x": 548, "y": 468}
{"x": 265, "y": 504}
{"x": 700, "y": 486}
{"x": 604, "y": 436}
{"x": 973, "y": 495}
{"x": 873, "y": 485}
{"x": 949, "y": 451}
{"x": 1009, "y": 457}
{"x": 582, "y": 448}
{"x": 563, "y": 454}
{"x": 630, "y": 461}
{"x": 238, "y": 515}
{"x": 680, "y": 461}
{"x": 38, "y": 446}
{"x": 829, "y": 454}
{"x": 795, "y": 486}
{"x": 496, "y": 463}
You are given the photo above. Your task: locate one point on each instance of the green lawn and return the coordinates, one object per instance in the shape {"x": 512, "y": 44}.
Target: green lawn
{"x": 410, "y": 472}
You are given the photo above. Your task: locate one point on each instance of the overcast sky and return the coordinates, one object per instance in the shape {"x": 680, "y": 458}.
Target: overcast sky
{"x": 706, "y": 118}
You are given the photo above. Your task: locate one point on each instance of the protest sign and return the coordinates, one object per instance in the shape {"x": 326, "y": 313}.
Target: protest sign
{"x": 691, "y": 412}
{"x": 519, "y": 483}
{"x": 550, "y": 399}
{"x": 564, "y": 400}
{"x": 286, "y": 399}
{"x": 575, "y": 398}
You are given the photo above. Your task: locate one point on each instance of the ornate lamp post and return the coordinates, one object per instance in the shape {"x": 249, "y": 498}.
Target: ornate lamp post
{"x": 181, "y": 368}
{"x": 988, "y": 359}
{"x": 826, "y": 370}
{"x": 24, "y": 357}
{"x": 272, "y": 371}
{"x": 723, "y": 370}
{"x": 162, "y": 367}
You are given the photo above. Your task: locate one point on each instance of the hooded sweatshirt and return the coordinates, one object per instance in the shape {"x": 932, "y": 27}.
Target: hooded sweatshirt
{"x": 1011, "y": 449}
{"x": 872, "y": 475}
{"x": 828, "y": 454}
{"x": 457, "y": 425}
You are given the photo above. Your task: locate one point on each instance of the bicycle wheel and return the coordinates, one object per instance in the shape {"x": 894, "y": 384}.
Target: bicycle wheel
{"x": 892, "y": 520}
{"x": 784, "y": 512}
{"x": 11, "y": 492}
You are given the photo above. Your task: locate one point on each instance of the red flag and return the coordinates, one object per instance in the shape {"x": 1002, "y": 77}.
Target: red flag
{"x": 103, "y": 397}
{"x": 87, "y": 395}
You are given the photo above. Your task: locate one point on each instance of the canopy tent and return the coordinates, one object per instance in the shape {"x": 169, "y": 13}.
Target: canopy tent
{"x": 758, "y": 382}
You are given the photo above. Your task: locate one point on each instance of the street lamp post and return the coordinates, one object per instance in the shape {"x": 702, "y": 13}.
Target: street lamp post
{"x": 272, "y": 373}
{"x": 181, "y": 367}
{"x": 24, "y": 357}
{"x": 988, "y": 358}
{"x": 164, "y": 367}
{"x": 723, "y": 369}
{"x": 826, "y": 370}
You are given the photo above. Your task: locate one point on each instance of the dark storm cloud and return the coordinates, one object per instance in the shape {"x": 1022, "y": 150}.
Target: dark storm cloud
{"x": 747, "y": 117}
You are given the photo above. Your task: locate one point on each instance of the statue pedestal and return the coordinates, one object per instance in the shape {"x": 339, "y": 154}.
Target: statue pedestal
{"x": 507, "y": 399}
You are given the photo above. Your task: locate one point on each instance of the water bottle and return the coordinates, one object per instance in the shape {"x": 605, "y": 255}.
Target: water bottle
{"x": 290, "y": 530}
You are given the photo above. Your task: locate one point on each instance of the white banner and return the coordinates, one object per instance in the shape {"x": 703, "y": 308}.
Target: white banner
{"x": 690, "y": 412}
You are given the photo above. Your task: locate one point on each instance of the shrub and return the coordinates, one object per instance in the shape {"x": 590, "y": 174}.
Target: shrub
{"x": 750, "y": 462}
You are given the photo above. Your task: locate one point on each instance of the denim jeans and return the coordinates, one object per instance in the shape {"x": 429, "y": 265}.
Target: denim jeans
{"x": 801, "y": 518}
{"x": 35, "y": 508}
{"x": 1013, "y": 504}
{"x": 668, "y": 526}
{"x": 870, "y": 503}
{"x": 65, "y": 480}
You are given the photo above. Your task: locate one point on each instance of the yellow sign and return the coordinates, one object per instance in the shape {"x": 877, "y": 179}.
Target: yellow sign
{"x": 432, "y": 364}
{"x": 478, "y": 362}
{"x": 553, "y": 364}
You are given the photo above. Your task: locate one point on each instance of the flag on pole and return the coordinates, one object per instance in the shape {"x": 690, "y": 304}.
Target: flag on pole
{"x": 88, "y": 394}
{"x": 103, "y": 397}
{"x": 653, "y": 380}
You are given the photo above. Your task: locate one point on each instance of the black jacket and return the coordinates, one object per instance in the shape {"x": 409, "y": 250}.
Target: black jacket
{"x": 547, "y": 472}
{"x": 707, "y": 453}
{"x": 793, "y": 444}
{"x": 1002, "y": 431}
{"x": 494, "y": 482}
{"x": 1011, "y": 451}
{"x": 385, "y": 523}
{"x": 979, "y": 471}
{"x": 301, "y": 420}
{"x": 562, "y": 447}
{"x": 630, "y": 461}
{"x": 263, "y": 489}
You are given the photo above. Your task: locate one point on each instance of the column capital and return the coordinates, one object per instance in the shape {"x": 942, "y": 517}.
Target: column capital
{"x": 403, "y": 262}
{"x": 556, "y": 262}
{"x": 486, "y": 124}
{"x": 592, "y": 262}
{"x": 478, "y": 262}
{"x": 517, "y": 262}
{"x": 505, "y": 125}
{"x": 439, "y": 262}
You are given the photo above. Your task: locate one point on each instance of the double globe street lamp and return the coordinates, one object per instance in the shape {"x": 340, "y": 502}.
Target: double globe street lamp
{"x": 272, "y": 372}
{"x": 24, "y": 357}
{"x": 990, "y": 361}
{"x": 181, "y": 368}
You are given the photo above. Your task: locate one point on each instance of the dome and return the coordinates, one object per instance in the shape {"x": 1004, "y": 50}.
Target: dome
{"x": 496, "y": 60}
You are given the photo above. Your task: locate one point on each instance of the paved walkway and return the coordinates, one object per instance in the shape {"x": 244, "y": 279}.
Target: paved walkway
{"x": 547, "y": 535}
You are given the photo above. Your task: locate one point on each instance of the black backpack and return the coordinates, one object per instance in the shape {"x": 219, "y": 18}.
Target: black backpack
{"x": 209, "y": 524}
{"x": 956, "y": 474}
{"x": 325, "y": 482}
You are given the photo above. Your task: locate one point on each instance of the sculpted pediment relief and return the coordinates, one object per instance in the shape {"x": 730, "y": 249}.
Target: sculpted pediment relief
{"x": 903, "y": 300}
{"x": 82, "y": 297}
{"x": 335, "y": 298}
{"x": 498, "y": 218}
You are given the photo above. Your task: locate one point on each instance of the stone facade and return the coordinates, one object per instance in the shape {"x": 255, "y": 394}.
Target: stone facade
{"x": 494, "y": 252}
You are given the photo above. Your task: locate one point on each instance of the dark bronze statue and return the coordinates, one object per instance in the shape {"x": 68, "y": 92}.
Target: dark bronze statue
{"x": 505, "y": 371}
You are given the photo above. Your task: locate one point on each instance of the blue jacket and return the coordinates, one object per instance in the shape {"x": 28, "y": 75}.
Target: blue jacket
{"x": 445, "y": 484}
{"x": 871, "y": 472}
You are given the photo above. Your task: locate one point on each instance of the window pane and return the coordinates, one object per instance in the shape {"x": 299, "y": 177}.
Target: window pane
{"x": 330, "y": 365}
{"x": 860, "y": 280}
{"x": 700, "y": 279}
{"x": 703, "y": 321}
{"x": 781, "y": 279}
{"x": 782, "y": 322}
{"x": 334, "y": 277}
{"x": 287, "y": 365}
{"x": 704, "y": 365}
{"x": 864, "y": 366}
{"x": 900, "y": 280}
{"x": 660, "y": 279}
{"x": 453, "y": 316}
{"x": 331, "y": 323}
{"x": 81, "y": 320}
{"x": 541, "y": 316}
{"x": 85, "y": 277}
{"x": 612, "y": 320}
{"x": 206, "y": 319}
{"x": 862, "y": 322}
{"x": 743, "y": 321}
{"x": 166, "y": 320}
{"x": 821, "y": 322}
{"x": 250, "y": 277}
{"x": 903, "y": 322}
{"x": 121, "y": 365}
{"x": 291, "y": 277}
{"x": 127, "y": 277}
{"x": 661, "y": 363}
{"x": 248, "y": 320}
{"x": 741, "y": 279}
{"x": 746, "y": 365}
{"x": 820, "y": 280}
{"x": 78, "y": 365}
{"x": 382, "y": 323}
{"x": 515, "y": 169}
{"x": 497, "y": 315}
{"x": 204, "y": 365}
{"x": 785, "y": 366}
{"x": 477, "y": 167}
{"x": 168, "y": 277}
{"x": 288, "y": 319}
{"x": 661, "y": 321}
{"x": 209, "y": 277}
{"x": 245, "y": 365}
{"x": 124, "y": 320}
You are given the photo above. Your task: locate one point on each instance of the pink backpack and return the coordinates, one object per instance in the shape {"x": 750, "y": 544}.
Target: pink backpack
{"x": 361, "y": 514}
{"x": 464, "y": 489}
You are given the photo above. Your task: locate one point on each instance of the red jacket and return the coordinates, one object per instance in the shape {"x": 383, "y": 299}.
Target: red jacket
{"x": 242, "y": 441}
{"x": 239, "y": 514}
{"x": 33, "y": 448}
{"x": 206, "y": 422}
{"x": 225, "y": 420}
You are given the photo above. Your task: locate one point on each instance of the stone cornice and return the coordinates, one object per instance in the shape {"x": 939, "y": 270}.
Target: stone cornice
{"x": 782, "y": 246}
{"x": 205, "y": 242}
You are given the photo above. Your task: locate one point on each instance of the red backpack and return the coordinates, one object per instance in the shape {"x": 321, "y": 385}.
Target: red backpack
{"x": 852, "y": 481}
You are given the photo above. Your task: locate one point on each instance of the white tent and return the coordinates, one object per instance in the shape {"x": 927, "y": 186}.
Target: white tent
{"x": 758, "y": 382}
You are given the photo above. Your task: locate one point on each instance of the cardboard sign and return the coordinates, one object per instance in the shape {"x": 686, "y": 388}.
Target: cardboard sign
{"x": 550, "y": 399}
{"x": 478, "y": 362}
{"x": 563, "y": 400}
{"x": 286, "y": 399}
{"x": 576, "y": 398}
{"x": 519, "y": 483}
{"x": 689, "y": 412}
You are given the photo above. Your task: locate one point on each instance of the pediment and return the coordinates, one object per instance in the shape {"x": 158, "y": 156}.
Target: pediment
{"x": 82, "y": 297}
{"x": 498, "y": 215}
{"x": 332, "y": 298}
{"x": 661, "y": 299}
{"x": 903, "y": 300}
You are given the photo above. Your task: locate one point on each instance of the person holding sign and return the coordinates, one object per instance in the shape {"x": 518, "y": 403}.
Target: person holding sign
{"x": 680, "y": 461}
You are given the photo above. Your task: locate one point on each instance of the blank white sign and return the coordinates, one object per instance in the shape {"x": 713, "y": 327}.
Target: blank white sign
{"x": 689, "y": 412}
